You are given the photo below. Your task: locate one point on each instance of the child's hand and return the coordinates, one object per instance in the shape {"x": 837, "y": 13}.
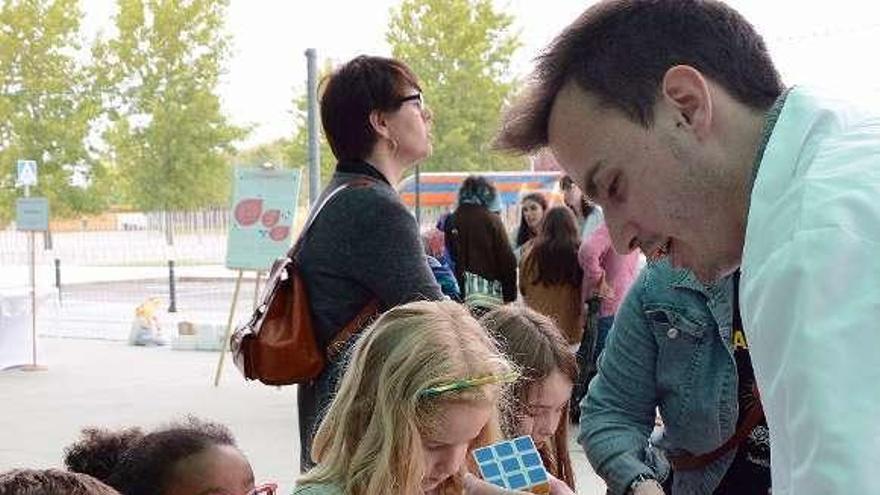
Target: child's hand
{"x": 558, "y": 487}
{"x": 476, "y": 486}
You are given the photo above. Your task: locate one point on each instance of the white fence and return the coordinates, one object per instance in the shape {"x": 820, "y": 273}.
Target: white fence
{"x": 135, "y": 239}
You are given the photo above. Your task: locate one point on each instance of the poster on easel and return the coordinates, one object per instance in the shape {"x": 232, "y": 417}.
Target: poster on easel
{"x": 263, "y": 211}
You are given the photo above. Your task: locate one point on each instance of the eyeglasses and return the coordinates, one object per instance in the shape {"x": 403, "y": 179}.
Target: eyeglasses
{"x": 264, "y": 489}
{"x": 418, "y": 98}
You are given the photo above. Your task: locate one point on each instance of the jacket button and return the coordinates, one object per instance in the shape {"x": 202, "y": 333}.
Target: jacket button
{"x": 672, "y": 333}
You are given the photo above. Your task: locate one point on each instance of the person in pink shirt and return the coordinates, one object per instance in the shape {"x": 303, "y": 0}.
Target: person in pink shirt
{"x": 607, "y": 275}
{"x": 607, "y": 278}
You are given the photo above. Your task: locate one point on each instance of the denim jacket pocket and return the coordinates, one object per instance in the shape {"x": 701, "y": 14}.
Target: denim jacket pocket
{"x": 681, "y": 343}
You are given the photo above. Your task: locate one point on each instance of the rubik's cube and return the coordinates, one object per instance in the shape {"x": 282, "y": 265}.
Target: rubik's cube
{"x": 514, "y": 465}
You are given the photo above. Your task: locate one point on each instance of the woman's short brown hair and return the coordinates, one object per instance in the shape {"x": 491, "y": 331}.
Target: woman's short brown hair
{"x": 355, "y": 90}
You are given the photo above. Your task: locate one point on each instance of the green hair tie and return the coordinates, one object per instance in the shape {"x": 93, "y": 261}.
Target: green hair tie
{"x": 467, "y": 383}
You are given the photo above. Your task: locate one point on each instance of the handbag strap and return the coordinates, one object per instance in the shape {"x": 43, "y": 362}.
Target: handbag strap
{"x": 357, "y": 323}
{"x": 689, "y": 462}
{"x": 359, "y": 182}
{"x": 335, "y": 347}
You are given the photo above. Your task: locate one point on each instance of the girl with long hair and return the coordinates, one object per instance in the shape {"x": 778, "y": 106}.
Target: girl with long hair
{"x": 550, "y": 275}
{"x": 532, "y": 208}
{"x": 539, "y": 403}
{"x": 422, "y": 390}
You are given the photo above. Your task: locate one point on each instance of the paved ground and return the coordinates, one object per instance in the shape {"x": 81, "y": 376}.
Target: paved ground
{"x": 106, "y": 383}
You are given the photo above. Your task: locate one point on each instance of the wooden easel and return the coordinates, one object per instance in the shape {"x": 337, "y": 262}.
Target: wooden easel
{"x": 229, "y": 321}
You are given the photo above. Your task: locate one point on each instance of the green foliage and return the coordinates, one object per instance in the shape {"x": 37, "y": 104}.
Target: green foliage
{"x": 273, "y": 152}
{"x": 167, "y": 134}
{"x": 461, "y": 51}
{"x": 47, "y": 106}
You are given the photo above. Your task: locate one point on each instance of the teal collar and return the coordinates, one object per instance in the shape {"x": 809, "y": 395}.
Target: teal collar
{"x": 769, "y": 124}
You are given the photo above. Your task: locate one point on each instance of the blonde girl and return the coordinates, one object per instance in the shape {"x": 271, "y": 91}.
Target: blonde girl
{"x": 421, "y": 391}
{"x": 548, "y": 368}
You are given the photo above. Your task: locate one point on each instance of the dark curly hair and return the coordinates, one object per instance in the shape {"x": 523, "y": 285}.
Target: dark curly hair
{"x": 142, "y": 464}
{"x": 477, "y": 190}
{"x": 51, "y": 482}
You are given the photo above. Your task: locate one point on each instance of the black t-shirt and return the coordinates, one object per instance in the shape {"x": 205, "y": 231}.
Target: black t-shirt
{"x": 749, "y": 474}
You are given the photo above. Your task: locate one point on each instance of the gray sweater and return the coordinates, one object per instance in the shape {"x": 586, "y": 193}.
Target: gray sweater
{"x": 364, "y": 244}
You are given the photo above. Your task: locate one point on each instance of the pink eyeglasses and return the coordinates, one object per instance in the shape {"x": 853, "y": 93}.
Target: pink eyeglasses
{"x": 264, "y": 489}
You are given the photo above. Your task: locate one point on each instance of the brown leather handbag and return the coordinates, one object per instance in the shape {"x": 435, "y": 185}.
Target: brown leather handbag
{"x": 277, "y": 346}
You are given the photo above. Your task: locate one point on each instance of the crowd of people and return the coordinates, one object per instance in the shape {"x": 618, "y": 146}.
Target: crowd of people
{"x": 749, "y": 334}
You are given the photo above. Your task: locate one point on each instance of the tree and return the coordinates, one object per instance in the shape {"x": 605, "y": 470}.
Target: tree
{"x": 47, "y": 106}
{"x": 167, "y": 134}
{"x": 273, "y": 152}
{"x": 460, "y": 50}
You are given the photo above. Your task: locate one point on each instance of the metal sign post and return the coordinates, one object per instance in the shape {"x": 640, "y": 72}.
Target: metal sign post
{"x": 32, "y": 215}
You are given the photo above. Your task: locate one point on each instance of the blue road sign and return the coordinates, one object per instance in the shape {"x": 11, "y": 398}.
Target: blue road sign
{"x": 32, "y": 214}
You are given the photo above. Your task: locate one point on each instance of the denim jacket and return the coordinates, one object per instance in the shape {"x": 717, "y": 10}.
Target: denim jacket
{"x": 671, "y": 348}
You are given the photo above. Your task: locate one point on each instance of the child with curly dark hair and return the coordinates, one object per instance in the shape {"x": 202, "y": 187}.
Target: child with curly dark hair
{"x": 184, "y": 458}
{"x": 51, "y": 482}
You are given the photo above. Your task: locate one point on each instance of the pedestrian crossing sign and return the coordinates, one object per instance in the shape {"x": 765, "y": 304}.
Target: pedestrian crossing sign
{"x": 27, "y": 173}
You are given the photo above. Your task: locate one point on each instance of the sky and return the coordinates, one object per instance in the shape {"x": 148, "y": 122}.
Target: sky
{"x": 827, "y": 44}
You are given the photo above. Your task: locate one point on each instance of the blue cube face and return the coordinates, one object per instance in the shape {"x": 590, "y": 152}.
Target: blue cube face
{"x": 537, "y": 475}
{"x": 531, "y": 460}
{"x": 490, "y": 470}
{"x": 524, "y": 444}
{"x": 483, "y": 455}
{"x": 510, "y": 465}
{"x": 504, "y": 449}
{"x": 517, "y": 481}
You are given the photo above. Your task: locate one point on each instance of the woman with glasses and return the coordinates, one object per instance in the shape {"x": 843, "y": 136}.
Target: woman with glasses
{"x": 364, "y": 250}
{"x": 179, "y": 459}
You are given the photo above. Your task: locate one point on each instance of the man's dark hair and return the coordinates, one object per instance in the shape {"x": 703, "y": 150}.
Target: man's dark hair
{"x": 619, "y": 51}
{"x": 51, "y": 482}
{"x": 139, "y": 464}
{"x": 352, "y": 92}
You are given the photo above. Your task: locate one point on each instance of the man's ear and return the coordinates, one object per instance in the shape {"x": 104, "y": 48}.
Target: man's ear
{"x": 687, "y": 91}
{"x": 380, "y": 124}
